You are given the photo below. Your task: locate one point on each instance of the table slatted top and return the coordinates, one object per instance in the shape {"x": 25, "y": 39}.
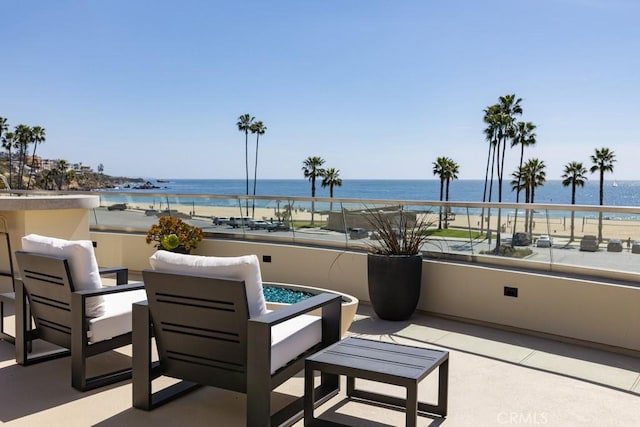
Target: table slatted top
{"x": 384, "y": 358}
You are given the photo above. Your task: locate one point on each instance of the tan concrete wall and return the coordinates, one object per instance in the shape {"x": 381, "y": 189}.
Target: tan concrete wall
{"x": 562, "y": 306}
{"x": 62, "y": 223}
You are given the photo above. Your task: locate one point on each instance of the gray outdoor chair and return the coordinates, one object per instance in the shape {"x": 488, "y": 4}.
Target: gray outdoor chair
{"x": 206, "y": 336}
{"x": 84, "y": 322}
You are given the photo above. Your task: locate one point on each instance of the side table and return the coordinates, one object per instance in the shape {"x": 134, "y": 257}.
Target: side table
{"x": 384, "y": 362}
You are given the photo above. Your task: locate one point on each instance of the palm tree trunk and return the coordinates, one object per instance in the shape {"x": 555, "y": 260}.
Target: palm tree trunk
{"x": 601, "y": 203}
{"x": 519, "y": 174}
{"x": 313, "y": 195}
{"x": 440, "y": 209}
{"x": 484, "y": 192}
{"x": 33, "y": 159}
{"x": 246, "y": 167}
{"x": 255, "y": 175}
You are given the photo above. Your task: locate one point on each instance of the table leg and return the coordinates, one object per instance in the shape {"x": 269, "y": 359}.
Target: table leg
{"x": 443, "y": 388}
{"x": 412, "y": 405}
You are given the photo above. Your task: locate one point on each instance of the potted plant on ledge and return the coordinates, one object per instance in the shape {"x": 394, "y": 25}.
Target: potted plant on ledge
{"x": 394, "y": 261}
{"x": 173, "y": 234}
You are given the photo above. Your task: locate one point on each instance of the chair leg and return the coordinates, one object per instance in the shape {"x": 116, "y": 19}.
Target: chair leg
{"x": 5, "y": 335}
{"x": 259, "y": 375}
{"x": 141, "y": 353}
{"x": 21, "y": 325}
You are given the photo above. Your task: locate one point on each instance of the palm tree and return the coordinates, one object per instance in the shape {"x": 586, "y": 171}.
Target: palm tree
{"x": 4, "y": 126}
{"x": 501, "y": 120}
{"x": 331, "y": 178}
{"x": 23, "y": 139}
{"x": 452, "y": 173}
{"x": 244, "y": 125}
{"x": 7, "y": 139}
{"x": 524, "y": 137}
{"x": 440, "y": 167}
{"x": 259, "y": 129}
{"x": 509, "y": 107}
{"x": 61, "y": 173}
{"x": 37, "y": 137}
{"x": 533, "y": 176}
{"x": 490, "y": 117}
{"x": 312, "y": 169}
{"x": 603, "y": 161}
{"x": 574, "y": 176}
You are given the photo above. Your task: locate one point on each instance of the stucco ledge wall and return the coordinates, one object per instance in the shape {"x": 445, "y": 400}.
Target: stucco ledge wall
{"x": 585, "y": 310}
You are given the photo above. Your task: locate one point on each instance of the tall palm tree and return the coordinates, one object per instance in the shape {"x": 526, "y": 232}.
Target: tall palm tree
{"x": 7, "y": 141}
{"x": 23, "y": 139}
{"x": 501, "y": 120}
{"x": 259, "y": 129}
{"x": 331, "y": 178}
{"x": 491, "y": 136}
{"x": 37, "y": 137}
{"x": 452, "y": 173}
{"x": 244, "y": 125}
{"x": 574, "y": 176}
{"x": 533, "y": 176}
{"x": 603, "y": 160}
{"x": 440, "y": 167}
{"x": 312, "y": 169}
{"x": 524, "y": 136}
{"x": 509, "y": 107}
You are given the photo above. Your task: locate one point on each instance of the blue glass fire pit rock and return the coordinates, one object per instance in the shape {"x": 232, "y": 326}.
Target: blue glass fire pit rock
{"x": 284, "y": 295}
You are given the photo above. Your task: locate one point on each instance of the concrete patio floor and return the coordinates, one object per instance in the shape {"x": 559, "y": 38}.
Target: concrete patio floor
{"x": 496, "y": 378}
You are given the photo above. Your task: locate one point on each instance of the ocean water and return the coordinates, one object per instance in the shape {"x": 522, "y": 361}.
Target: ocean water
{"x": 623, "y": 193}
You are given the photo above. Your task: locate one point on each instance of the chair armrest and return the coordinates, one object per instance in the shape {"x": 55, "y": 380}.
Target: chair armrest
{"x": 84, "y": 294}
{"x": 122, "y": 274}
{"x": 295, "y": 310}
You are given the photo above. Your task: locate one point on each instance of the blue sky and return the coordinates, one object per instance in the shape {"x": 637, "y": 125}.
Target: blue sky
{"x": 379, "y": 89}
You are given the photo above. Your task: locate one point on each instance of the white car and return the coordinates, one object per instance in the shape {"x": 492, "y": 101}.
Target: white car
{"x": 544, "y": 241}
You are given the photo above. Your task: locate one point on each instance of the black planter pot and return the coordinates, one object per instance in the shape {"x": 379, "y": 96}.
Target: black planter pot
{"x": 394, "y": 284}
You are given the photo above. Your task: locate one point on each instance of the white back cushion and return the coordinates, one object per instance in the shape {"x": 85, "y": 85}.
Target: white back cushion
{"x": 246, "y": 268}
{"x": 85, "y": 274}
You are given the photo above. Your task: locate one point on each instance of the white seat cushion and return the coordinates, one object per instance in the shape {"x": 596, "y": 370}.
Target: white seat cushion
{"x": 85, "y": 274}
{"x": 116, "y": 319}
{"x": 246, "y": 268}
{"x": 291, "y": 338}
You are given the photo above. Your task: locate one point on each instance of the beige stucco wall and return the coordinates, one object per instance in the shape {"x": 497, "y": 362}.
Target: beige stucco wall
{"x": 62, "y": 223}
{"x": 563, "y": 306}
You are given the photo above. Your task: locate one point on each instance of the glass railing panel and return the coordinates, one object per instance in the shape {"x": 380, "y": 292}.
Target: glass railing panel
{"x": 589, "y": 237}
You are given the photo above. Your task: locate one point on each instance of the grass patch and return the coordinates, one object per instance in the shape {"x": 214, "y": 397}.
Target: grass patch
{"x": 456, "y": 232}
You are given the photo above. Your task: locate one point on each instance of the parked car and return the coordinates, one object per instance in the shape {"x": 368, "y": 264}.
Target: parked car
{"x": 544, "y": 241}
{"x": 278, "y": 226}
{"x": 117, "y": 207}
{"x": 258, "y": 224}
{"x": 220, "y": 220}
{"x": 614, "y": 245}
{"x": 589, "y": 243}
{"x": 239, "y": 221}
{"x": 358, "y": 233}
{"x": 521, "y": 239}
